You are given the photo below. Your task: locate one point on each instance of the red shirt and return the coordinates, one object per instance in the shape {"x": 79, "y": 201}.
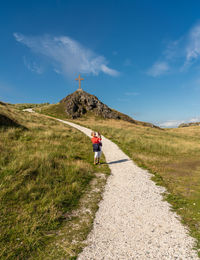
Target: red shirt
{"x": 95, "y": 140}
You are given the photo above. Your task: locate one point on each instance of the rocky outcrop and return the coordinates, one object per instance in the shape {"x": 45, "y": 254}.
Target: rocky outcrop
{"x": 189, "y": 124}
{"x": 81, "y": 103}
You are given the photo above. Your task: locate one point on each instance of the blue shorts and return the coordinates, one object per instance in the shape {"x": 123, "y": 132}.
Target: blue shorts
{"x": 96, "y": 147}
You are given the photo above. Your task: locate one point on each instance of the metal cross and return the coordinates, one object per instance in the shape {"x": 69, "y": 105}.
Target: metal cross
{"x": 79, "y": 79}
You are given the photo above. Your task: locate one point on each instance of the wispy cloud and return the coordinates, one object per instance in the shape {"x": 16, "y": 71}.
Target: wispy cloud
{"x": 66, "y": 55}
{"x": 158, "y": 68}
{"x": 194, "y": 119}
{"x": 179, "y": 55}
{"x": 176, "y": 123}
{"x": 109, "y": 71}
{"x": 171, "y": 123}
{"x": 193, "y": 46}
{"x": 33, "y": 66}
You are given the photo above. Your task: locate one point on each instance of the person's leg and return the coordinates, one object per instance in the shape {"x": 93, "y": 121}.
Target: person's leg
{"x": 98, "y": 158}
{"x": 95, "y": 157}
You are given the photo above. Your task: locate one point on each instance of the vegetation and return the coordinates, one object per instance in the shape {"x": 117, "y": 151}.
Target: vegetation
{"x": 79, "y": 105}
{"x": 28, "y": 105}
{"x": 172, "y": 155}
{"x": 55, "y": 110}
{"x": 46, "y": 168}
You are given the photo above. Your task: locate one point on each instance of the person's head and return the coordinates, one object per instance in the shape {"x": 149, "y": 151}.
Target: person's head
{"x": 99, "y": 134}
{"x": 93, "y": 134}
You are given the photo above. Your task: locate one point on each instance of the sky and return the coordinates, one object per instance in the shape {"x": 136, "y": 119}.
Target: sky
{"x": 140, "y": 57}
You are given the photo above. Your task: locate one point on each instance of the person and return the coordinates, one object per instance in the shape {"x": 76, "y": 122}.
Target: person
{"x": 100, "y": 143}
{"x": 96, "y": 147}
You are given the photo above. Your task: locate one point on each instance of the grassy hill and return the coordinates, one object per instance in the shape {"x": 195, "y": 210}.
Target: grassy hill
{"x": 45, "y": 170}
{"x": 172, "y": 155}
{"x": 81, "y": 104}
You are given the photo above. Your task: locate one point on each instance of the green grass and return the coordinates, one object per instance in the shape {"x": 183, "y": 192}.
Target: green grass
{"x": 46, "y": 168}
{"x": 28, "y": 105}
{"x": 172, "y": 155}
{"x": 55, "y": 110}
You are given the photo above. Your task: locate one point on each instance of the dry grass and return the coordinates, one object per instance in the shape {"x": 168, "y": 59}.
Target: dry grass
{"x": 172, "y": 155}
{"x": 46, "y": 167}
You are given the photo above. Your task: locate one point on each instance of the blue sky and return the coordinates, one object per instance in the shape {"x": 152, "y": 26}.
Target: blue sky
{"x": 140, "y": 57}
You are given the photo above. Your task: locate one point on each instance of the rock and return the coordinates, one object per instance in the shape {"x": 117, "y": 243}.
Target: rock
{"x": 81, "y": 103}
{"x": 189, "y": 124}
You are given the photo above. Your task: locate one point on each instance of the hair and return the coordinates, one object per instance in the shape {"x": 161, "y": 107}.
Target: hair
{"x": 93, "y": 134}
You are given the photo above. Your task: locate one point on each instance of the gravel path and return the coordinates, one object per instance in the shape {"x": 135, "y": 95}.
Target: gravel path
{"x": 133, "y": 222}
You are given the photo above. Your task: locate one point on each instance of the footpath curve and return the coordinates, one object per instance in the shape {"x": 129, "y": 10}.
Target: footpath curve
{"x": 133, "y": 221}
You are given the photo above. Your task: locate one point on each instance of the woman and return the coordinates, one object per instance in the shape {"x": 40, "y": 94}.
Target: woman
{"x": 96, "y": 141}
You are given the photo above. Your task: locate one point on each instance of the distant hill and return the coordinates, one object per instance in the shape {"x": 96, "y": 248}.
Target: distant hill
{"x": 189, "y": 124}
{"x": 82, "y": 104}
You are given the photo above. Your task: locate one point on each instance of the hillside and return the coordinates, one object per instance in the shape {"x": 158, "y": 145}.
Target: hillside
{"x": 81, "y": 104}
{"x": 189, "y": 124}
{"x": 45, "y": 171}
{"x": 171, "y": 155}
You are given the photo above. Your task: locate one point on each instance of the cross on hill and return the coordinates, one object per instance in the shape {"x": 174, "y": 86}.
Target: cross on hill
{"x": 79, "y": 79}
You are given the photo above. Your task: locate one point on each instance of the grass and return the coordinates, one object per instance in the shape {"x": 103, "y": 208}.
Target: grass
{"x": 46, "y": 169}
{"x": 172, "y": 155}
{"x": 55, "y": 110}
{"x": 28, "y": 105}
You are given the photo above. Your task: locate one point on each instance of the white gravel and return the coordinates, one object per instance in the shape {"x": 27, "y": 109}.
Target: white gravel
{"x": 30, "y": 110}
{"x": 133, "y": 222}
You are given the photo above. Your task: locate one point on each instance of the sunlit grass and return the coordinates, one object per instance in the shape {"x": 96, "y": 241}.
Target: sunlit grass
{"x": 45, "y": 168}
{"x": 172, "y": 155}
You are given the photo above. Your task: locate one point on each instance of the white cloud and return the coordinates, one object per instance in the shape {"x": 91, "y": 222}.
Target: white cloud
{"x": 174, "y": 50}
{"x": 56, "y": 71}
{"x": 176, "y": 123}
{"x": 180, "y": 54}
{"x": 195, "y": 119}
{"x": 109, "y": 71}
{"x": 67, "y": 55}
{"x": 158, "y": 68}
{"x": 171, "y": 123}
{"x": 192, "y": 51}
